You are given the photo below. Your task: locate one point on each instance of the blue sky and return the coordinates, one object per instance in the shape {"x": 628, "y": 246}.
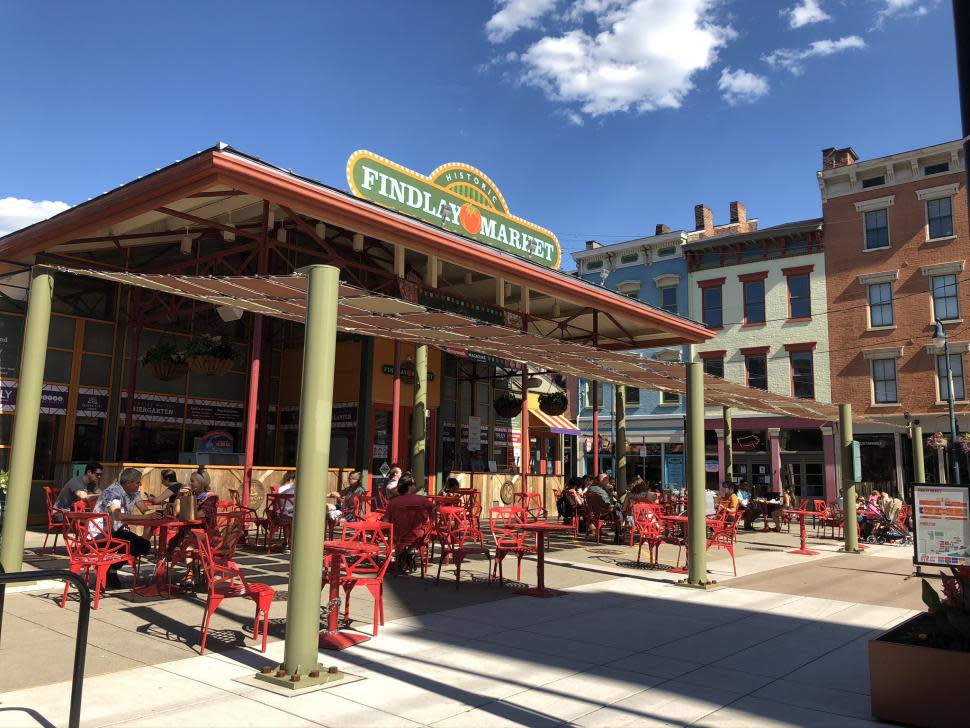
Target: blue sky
{"x": 596, "y": 118}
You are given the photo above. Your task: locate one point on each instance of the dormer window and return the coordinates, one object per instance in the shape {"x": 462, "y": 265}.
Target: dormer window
{"x": 629, "y": 259}
{"x": 594, "y": 265}
{"x": 936, "y": 168}
{"x": 666, "y": 252}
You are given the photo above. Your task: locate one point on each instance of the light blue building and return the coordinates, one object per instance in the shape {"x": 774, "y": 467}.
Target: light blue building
{"x": 654, "y": 270}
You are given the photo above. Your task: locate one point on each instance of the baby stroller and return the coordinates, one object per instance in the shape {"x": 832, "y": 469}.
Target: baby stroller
{"x": 887, "y": 530}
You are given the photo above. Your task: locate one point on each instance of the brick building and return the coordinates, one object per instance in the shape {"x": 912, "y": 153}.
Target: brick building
{"x": 896, "y": 246}
{"x": 763, "y": 292}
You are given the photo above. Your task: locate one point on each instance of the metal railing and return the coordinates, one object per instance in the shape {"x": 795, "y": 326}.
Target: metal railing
{"x": 80, "y": 639}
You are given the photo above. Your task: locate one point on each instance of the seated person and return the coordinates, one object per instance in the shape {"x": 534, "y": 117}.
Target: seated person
{"x": 710, "y": 502}
{"x": 80, "y": 488}
{"x": 170, "y": 489}
{"x": 600, "y": 501}
{"x": 744, "y": 495}
{"x": 730, "y": 503}
{"x": 205, "y": 500}
{"x": 120, "y": 500}
{"x": 393, "y": 476}
{"x": 570, "y": 500}
{"x": 287, "y": 487}
{"x": 411, "y": 515}
{"x": 654, "y": 493}
{"x": 347, "y": 499}
{"x": 452, "y": 486}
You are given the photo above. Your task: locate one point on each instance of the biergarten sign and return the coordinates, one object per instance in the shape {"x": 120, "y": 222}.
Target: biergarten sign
{"x": 455, "y": 197}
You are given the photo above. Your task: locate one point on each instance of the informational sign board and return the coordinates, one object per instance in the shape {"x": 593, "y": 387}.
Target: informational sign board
{"x": 674, "y": 470}
{"x": 710, "y": 466}
{"x": 942, "y": 526}
{"x": 474, "y": 433}
{"x": 856, "y": 462}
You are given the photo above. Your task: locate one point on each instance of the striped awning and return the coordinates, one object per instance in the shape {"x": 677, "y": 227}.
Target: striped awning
{"x": 556, "y": 423}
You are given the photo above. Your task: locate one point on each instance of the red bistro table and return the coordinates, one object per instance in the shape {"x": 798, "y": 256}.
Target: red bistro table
{"x": 332, "y": 638}
{"x": 802, "y": 550}
{"x": 683, "y": 521}
{"x": 165, "y": 525}
{"x": 541, "y": 529}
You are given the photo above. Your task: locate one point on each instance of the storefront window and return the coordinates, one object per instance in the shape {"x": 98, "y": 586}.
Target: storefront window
{"x": 878, "y": 460}
{"x": 801, "y": 440}
{"x": 88, "y": 439}
{"x": 48, "y": 430}
{"x": 749, "y": 441}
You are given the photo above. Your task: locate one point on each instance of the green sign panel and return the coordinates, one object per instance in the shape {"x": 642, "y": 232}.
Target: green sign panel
{"x": 455, "y": 197}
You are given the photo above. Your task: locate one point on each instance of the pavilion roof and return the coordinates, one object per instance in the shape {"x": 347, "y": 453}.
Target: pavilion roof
{"x": 366, "y": 313}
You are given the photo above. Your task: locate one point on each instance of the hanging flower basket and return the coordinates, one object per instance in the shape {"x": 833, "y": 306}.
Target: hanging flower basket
{"x": 554, "y": 403}
{"x": 209, "y": 356}
{"x": 508, "y": 405}
{"x": 165, "y": 362}
{"x": 936, "y": 441}
{"x": 965, "y": 443}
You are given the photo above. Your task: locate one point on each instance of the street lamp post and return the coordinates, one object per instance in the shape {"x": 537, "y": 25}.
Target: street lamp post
{"x": 941, "y": 337}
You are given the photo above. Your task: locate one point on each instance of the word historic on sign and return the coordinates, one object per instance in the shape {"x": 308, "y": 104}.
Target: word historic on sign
{"x": 455, "y": 197}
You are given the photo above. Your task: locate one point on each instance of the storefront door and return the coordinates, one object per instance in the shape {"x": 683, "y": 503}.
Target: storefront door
{"x": 804, "y": 475}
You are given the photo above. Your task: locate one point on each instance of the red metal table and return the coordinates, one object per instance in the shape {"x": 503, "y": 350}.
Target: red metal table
{"x": 166, "y": 526}
{"x": 541, "y": 529}
{"x": 803, "y": 550}
{"x": 332, "y": 638}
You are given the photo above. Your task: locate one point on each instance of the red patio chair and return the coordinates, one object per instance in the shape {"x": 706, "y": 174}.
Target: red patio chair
{"x": 367, "y": 569}
{"x": 833, "y": 518}
{"x": 90, "y": 546}
{"x": 454, "y": 533}
{"x": 722, "y": 536}
{"x": 279, "y": 518}
{"x": 358, "y": 507}
{"x": 531, "y": 503}
{"x": 53, "y": 526}
{"x": 599, "y": 515}
{"x": 503, "y": 522}
{"x": 649, "y": 528}
{"x": 251, "y": 517}
{"x": 414, "y": 530}
{"x": 226, "y": 580}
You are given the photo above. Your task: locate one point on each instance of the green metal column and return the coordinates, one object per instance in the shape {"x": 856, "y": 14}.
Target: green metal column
{"x": 848, "y": 485}
{"x": 365, "y": 409}
{"x": 697, "y": 522}
{"x": 619, "y": 416}
{"x": 32, "y": 361}
{"x": 919, "y": 470}
{"x": 312, "y": 460}
{"x": 728, "y": 449}
{"x": 418, "y": 421}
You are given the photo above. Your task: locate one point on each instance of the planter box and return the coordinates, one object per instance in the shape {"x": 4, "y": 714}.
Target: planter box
{"x": 920, "y": 686}
{"x": 210, "y": 366}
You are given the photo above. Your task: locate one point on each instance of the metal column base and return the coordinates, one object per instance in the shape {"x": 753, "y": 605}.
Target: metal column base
{"x": 341, "y": 640}
{"x": 705, "y": 585}
{"x": 315, "y": 678}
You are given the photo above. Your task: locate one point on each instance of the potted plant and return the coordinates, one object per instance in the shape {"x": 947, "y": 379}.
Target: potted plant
{"x": 553, "y": 403}
{"x": 209, "y": 355}
{"x": 165, "y": 361}
{"x": 918, "y": 670}
{"x": 936, "y": 441}
{"x": 507, "y": 405}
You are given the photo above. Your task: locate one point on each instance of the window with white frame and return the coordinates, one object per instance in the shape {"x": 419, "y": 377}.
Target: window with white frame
{"x": 956, "y": 369}
{"x": 946, "y": 304}
{"x": 592, "y": 265}
{"x": 939, "y": 218}
{"x": 629, "y": 288}
{"x": 668, "y": 298}
{"x": 669, "y": 398}
{"x": 629, "y": 258}
{"x": 632, "y": 397}
{"x": 587, "y": 394}
{"x": 666, "y": 252}
{"x": 877, "y": 229}
{"x": 884, "y": 389}
{"x": 881, "y": 305}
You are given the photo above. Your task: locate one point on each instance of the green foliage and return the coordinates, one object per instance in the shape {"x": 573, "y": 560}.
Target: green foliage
{"x": 164, "y": 352}
{"x": 948, "y": 623}
{"x": 210, "y": 346}
{"x": 4, "y": 480}
{"x": 553, "y": 399}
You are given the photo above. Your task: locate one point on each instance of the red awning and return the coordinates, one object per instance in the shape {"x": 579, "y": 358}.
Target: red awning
{"x": 556, "y": 423}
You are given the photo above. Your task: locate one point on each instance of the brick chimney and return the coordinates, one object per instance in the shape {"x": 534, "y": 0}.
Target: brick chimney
{"x": 590, "y": 244}
{"x": 739, "y": 213}
{"x": 661, "y": 229}
{"x": 703, "y": 219}
{"x": 833, "y": 157}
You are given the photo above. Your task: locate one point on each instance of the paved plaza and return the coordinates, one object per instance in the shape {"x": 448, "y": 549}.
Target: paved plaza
{"x": 784, "y": 643}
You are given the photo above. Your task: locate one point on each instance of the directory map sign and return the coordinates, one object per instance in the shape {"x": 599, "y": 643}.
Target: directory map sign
{"x": 942, "y": 534}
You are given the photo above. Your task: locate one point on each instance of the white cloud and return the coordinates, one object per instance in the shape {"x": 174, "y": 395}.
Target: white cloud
{"x": 515, "y": 15}
{"x": 904, "y": 9}
{"x": 16, "y": 213}
{"x": 643, "y": 57}
{"x": 793, "y": 59}
{"x": 740, "y": 86}
{"x": 805, "y": 13}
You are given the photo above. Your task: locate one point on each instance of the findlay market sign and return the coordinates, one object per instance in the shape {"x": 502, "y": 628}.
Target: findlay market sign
{"x": 455, "y": 197}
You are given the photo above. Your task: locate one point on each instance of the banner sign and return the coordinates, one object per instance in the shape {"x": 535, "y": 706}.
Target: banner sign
{"x": 455, "y": 197}
{"x": 343, "y": 416}
{"x": 942, "y": 526}
{"x": 214, "y": 413}
{"x": 53, "y": 398}
{"x": 674, "y": 470}
{"x": 154, "y": 407}
{"x": 92, "y": 402}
